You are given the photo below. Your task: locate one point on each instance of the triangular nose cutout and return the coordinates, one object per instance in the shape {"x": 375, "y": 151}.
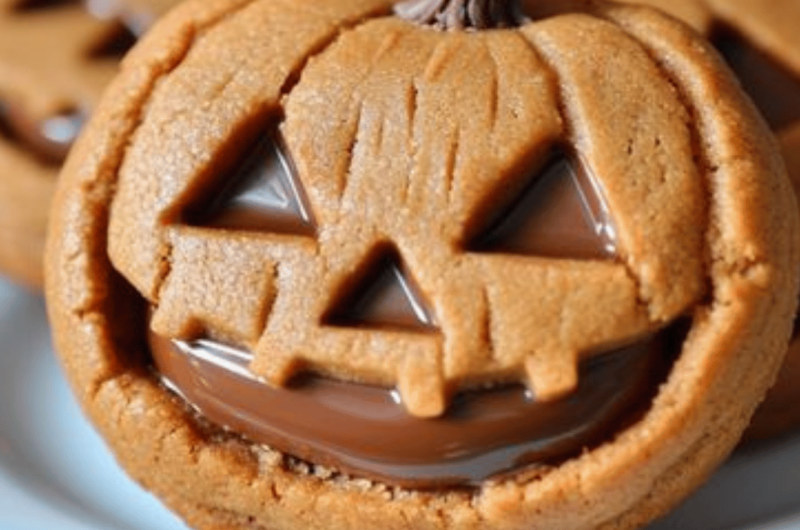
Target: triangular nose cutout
{"x": 775, "y": 90}
{"x": 560, "y": 214}
{"x": 263, "y": 195}
{"x": 385, "y": 296}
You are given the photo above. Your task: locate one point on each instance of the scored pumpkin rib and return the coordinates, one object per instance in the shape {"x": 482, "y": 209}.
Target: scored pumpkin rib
{"x": 733, "y": 272}
{"x": 700, "y": 156}
{"x": 192, "y": 32}
{"x": 711, "y": 159}
{"x": 97, "y": 182}
{"x": 564, "y": 111}
{"x": 662, "y": 247}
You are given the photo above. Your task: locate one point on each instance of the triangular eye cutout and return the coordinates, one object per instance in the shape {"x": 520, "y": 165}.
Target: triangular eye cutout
{"x": 559, "y": 214}
{"x": 775, "y": 90}
{"x": 384, "y": 296}
{"x": 36, "y": 5}
{"x": 115, "y": 44}
{"x": 262, "y": 194}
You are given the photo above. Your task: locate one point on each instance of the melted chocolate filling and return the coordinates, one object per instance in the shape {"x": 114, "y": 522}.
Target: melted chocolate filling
{"x": 264, "y": 195}
{"x": 365, "y": 431}
{"x": 386, "y": 297}
{"x": 559, "y": 214}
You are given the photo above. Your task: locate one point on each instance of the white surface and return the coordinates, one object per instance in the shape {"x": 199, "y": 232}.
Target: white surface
{"x": 56, "y": 474}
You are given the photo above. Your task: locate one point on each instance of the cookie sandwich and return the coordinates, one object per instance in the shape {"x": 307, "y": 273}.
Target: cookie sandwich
{"x": 475, "y": 265}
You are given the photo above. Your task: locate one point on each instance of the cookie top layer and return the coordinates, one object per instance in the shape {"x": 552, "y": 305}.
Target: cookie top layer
{"x": 196, "y": 95}
{"x": 394, "y": 153}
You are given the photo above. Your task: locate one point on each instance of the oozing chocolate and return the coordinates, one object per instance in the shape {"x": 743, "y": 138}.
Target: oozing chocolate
{"x": 365, "y": 431}
{"x": 775, "y": 91}
{"x": 559, "y": 214}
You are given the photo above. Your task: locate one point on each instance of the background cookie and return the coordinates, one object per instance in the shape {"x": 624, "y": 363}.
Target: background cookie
{"x": 411, "y": 154}
{"x": 55, "y": 59}
{"x": 761, "y": 43}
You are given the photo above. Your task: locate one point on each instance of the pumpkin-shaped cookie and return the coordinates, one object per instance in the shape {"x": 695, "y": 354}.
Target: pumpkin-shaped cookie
{"x": 761, "y": 44}
{"x": 55, "y": 59}
{"x": 455, "y": 264}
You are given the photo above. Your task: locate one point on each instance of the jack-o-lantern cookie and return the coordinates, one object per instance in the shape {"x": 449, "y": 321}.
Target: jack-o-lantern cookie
{"x": 761, "y": 42}
{"x": 350, "y": 264}
{"x": 55, "y": 58}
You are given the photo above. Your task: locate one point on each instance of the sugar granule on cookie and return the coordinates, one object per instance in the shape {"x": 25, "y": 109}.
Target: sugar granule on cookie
{"x": 434, "y": 265}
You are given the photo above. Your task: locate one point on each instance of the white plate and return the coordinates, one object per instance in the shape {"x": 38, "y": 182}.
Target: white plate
{"x": 56, "y": 474}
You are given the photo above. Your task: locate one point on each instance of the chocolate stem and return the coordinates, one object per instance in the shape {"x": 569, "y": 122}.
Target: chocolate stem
{"x": 462, "y": 14}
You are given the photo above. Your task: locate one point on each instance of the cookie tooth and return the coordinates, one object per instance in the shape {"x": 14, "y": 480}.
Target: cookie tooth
{"x": 409, "y": 361}
{"x": 277, "y": 365}
{"x": 552, "y": 375}
{"x": 422, "y": 386}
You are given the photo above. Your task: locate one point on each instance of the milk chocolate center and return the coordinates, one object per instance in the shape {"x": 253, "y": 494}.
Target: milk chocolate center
{"x": 264, "y": 195}
{"x": 365, "y": 432}
{"x": 559, "y": 214}
{"x": 386, "y": 297}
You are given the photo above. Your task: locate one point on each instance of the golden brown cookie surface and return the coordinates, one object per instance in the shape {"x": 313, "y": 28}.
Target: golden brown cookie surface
{"x": 417, "y": 146}
{"x": 55, "y": 59}
{"x": 761, "y": 43}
